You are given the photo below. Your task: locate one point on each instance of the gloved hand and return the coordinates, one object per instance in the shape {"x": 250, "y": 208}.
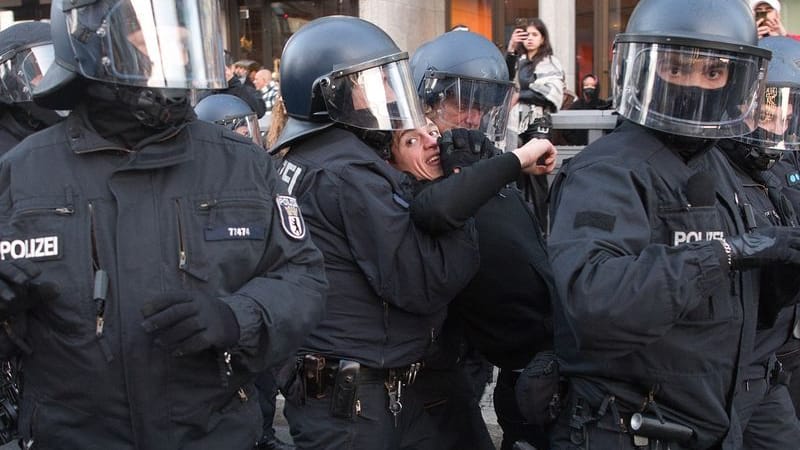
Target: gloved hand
{"x": 190, "y": 323}
{"x": 19, "y": 289}
{"x": 764, "y": 246}
{"x": 459, "y": 148}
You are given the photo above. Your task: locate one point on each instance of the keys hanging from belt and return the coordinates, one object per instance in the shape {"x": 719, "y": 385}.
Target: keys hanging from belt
{"x": 394, "y": 389}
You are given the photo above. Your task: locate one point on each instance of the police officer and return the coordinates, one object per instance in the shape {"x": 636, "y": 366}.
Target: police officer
{"x": 232, "y": 113}
{"x": 787, "y": 170}
{"x": 505, "y": 311}
{"x": 652, "y": 259}
{"x": 182, "y": 265}
{"x": 236, "y": 115}
{"x": 763, "y": 404}
{"x": 346, "y": 86}
{"x": 26, "y": 52}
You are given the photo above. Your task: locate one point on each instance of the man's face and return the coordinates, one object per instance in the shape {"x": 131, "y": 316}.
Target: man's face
{"x": 453, "y": 114}
{"x": 689, "y": 70}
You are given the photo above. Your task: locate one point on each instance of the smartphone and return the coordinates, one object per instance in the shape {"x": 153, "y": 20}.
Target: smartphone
{"x": 760, "y": 15}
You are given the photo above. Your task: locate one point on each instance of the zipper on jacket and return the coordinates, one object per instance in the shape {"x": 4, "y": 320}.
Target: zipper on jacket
{"x": 61, "y": 211}
{"x": 100, "y": 291}
{"x": 181, "y": 241}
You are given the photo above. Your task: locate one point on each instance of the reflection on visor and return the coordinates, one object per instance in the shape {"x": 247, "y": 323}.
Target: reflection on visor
{"x": 469, "y": 103}
{"x": 163, "y": 44}
{"x": 246, "y": 126}
{"x": 777, "y": 124}
{"x": 687, "y": 91}
{"x": 23, "y": 71}
{"x": 376, "y": 98}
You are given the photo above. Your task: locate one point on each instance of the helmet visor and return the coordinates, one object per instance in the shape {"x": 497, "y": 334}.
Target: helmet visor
{"x": 163, "y": 44}
{"x": 22, "y": 71}
{"x": 376, "y": 98}
{"x": 245, "y": 125}
{"x": 461, "y": 102}
{"x": 778, "y": 126}
{"x": 688, "y": 91}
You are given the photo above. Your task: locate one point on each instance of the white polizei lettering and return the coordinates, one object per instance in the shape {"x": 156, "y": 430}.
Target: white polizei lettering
{"x": 289, "y": 173}
{"x": 18, "y": 249}
{"x": 51, "y": 246}
{"x": 683, "y": 237}
{"x": 40, "y": 247}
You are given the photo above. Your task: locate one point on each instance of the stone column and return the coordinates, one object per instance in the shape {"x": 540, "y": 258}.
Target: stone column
{"x": 408, "y": 22}
{"x": 559, "y": 16}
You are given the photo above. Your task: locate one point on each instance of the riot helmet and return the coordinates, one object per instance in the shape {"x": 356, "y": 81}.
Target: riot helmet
{"x": 690, "y": 68}
{"x": 463, "y": 81}
{"x": 26, "y": 52}
{"x": 164, "y": 46}
{"x": 231, "y": 112}
{"x": 346, "y": 70}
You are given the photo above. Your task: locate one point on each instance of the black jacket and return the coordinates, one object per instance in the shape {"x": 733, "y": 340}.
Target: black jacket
{"x": 505, "y": 311}
{"x": 647, "y": 303}
{"x": 390, "y": 281}
{"x": 156, "y": 219}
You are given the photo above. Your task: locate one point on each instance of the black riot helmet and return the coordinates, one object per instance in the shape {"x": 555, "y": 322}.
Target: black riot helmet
{"x": 778, "y": 126}
{"x": 231, "y": 112}
{"x": 463, "y": 80}
{"x": 690, "y": 68}
{"x": 164, "y": 46}
{"x": 345, "y": 70}
{"x": 26, "y": 52}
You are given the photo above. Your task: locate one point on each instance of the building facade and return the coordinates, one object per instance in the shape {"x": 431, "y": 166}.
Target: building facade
{"x": 581, "y": 31}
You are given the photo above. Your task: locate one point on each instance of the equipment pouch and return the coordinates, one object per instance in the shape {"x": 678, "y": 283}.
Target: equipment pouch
{"x": 345, "y": 389}
{"x": 540, "y": 389}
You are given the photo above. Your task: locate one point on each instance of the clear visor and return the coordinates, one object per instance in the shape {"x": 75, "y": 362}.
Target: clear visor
{"x": 778, "y": 126}
{"x": 688, "y": 91}
{"x": 460, "y": 102}
{"x": 244, "y": 125}
{"x": 377, "y": 98}
{"x": 163, "y": 44}
{"x": 20, "y": 73}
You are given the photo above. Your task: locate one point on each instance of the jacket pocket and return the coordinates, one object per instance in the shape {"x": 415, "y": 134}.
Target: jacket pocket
{"x": 53, "y": 232}
{"x": 682, "y": 225}
{"x": 221, "y": 239}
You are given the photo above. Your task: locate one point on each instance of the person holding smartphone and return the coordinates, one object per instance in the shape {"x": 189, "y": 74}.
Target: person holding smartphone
{"x": 768, "y": 19}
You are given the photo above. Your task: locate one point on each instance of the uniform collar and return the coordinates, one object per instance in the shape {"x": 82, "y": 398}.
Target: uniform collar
{"x": 163, "y": 149}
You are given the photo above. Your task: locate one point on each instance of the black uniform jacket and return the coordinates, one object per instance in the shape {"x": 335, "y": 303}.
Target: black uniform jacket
{"x": 505, "y": 311}
{"x": 390, "y": 281}
{"x": 196, "y": 210}
{"x": 647, "y": 305}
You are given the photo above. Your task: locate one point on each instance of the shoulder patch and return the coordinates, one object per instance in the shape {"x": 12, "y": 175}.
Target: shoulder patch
{"x": 291, "y": 219}
{"x": 793, "y": 178}
{"x": 595, "y": 219}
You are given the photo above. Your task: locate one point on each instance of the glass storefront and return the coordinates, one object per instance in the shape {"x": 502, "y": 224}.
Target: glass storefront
{"x": 262, "y": 28}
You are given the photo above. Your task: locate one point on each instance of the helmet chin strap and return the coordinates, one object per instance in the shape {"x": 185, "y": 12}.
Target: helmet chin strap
{"x": 153, "y": 108}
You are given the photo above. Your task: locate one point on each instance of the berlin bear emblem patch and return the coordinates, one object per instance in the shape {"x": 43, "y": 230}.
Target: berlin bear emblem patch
{"x": 291, "y": 219}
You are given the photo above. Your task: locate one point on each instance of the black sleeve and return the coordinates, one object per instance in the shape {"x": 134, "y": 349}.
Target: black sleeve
{"x": 447, "y": 204}
{"x": 405, "y": 266}
{"x": 511, "y": 63}
{"x": 531, "y": 97}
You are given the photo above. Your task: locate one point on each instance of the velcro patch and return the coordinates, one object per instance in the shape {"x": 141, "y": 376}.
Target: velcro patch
{"x": 793, "y": 178}
{"x": 37, "y": 248}
{"x": 235, "y": 233}
{"x": 291, "y": 219}
{"x": 595, "y": 219}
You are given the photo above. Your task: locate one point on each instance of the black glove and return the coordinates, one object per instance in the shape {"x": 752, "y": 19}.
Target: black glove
{"x": 459, "y": 148}
{"x": 186, "y": 323}
{"x": 19, "y": 289}
{"x": 764, "y": 246}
